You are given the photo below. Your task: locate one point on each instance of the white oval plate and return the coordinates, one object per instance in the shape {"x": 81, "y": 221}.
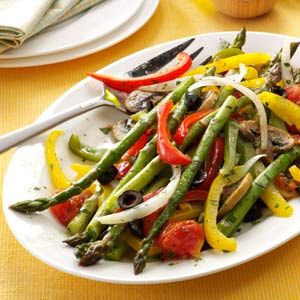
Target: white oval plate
{"x": 140, "y": 18}
{"x": 88, "y": 26}
{"x": 41, "y": 234}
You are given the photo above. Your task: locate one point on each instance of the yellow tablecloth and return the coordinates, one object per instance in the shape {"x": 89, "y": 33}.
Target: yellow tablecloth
{"x": 26, "y": 92}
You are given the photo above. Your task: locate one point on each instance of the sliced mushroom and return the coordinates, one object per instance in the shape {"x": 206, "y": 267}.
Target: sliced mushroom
{"x": 121, "y": 128}
{"x": 140, "y": 100}
{"x": 239, "y": 191}
{"x": 209, "y": 101}
{"x": 280, "y": 140}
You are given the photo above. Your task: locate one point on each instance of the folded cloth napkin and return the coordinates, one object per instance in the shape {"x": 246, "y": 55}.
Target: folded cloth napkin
{"x": 59, "y": 11}
{"x": 18, "y": 18}
{"x": 78, "y": 8}
{"x": 55, "y": 12}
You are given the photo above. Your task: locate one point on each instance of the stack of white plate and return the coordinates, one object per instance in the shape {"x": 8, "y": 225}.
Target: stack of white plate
{"x": 98, "y": 28}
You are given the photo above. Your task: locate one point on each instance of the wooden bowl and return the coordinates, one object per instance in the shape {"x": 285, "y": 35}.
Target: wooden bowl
{"x": 244, "y": 8}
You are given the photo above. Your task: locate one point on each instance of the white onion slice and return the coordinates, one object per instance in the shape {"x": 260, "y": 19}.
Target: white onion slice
{"x": 286, "y": 68}
{"x": 146, "y": 208}
{"x": 213, "y": 80}
{"x": 167, "y": 86}
{"x": 238, "y": 77}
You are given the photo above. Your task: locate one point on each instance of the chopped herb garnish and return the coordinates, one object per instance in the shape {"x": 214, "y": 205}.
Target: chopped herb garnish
{"x": 105, "y": 130}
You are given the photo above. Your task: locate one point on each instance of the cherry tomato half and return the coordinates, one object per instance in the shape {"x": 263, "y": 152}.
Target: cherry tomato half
{"x": 182, "y": 239}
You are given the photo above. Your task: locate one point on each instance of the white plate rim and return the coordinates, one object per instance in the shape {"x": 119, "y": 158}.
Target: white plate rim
{"x": 147, "y": 10}
{"x": 101, "y": 34}
{"x": 52, "y": 107}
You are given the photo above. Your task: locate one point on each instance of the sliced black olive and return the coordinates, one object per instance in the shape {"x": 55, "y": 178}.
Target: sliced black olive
{"x": 277, "y": 90}
{"x": 149, "y": 105}
{"x": 136, "y": 228}
{"x": 108, "y": 176}
{"x": 200, "y": 177}
{"x": 130, "y": 199}
{"x": 193, "y": 100}
{"x": 260, "y": 203}
{"x": 253, "y": 214}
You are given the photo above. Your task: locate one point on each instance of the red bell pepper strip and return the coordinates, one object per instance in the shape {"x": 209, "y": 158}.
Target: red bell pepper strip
{"x": 138, "y": 145}
{"x": 166, "y": 150}
{"x": 213, "y": 163}
{"x": 67, "y": 210}
{"x": 182, "y": 130}
{"x": 123, "y": 168}
{"x": 195, "y": 195}
{"x": 130, "y": 84}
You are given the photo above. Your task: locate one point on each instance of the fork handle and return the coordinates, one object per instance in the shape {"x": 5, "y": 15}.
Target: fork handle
{"x": 18, "y": 136}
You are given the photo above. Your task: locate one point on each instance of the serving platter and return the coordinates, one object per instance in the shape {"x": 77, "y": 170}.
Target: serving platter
{"x": 41, "y": 235}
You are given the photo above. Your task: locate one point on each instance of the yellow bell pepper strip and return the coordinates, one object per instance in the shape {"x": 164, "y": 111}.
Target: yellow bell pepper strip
{"x": 188, "y": 213}
{"x": 135, "y": 243}
{"x": 81, "y": 170}
{"x": 233, "y": 62}
{"x": 213, "y": 236}
{"x": 285, "y": 109}
{"x": 109, "y": 96}
{"x": 295, "y": 172}
{"x": 251, "y": 73}
{"x": 59, "y": 179}
{"x": 276, "y": 203}
{"x": 271, "y": 196}
{"x": 254, "y": 84}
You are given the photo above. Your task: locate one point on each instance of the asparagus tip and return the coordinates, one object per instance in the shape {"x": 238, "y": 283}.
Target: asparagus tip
{"x": 139, "y": 263}
{"x": 93, "y": 254}
{"x": 28, "y": 206}
{"x": 77, "y": 239}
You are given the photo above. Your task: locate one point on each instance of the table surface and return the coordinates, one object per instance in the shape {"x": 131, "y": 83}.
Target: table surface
{"x": 26, "y": 92}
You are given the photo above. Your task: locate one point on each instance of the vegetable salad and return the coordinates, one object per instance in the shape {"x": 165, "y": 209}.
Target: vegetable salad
{"x": 203, "y": 150}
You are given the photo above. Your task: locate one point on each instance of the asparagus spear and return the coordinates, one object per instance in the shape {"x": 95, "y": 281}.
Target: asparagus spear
{"x": 80, "y": 221}
{"x": 231, "y": 136}
{"x": 187, "y": 178}
{"x": 95, "y": 227}
{"x": 149, "y": 151}
{"x": 77, "y": 239}
{"x": 240, "y": 39}
{"x": 137, "y": 183}
{"x": 229, "y": 224}
{"x": 101, "y": 248}
{"x": 196, "y": 130}
{"x": 160, "y": 181}
{"x": 110, "y": 157}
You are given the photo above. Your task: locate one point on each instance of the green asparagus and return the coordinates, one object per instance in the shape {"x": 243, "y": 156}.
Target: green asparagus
{"x": 240, "y": 39}
{"x": 230, "y": 223}
{"x": 231, "y": 136}
{"x": 187, "y": 178}
{"x": 110, "y": 157}
{"x": 101, "y": 248}
{"x": 80, "y": 221}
